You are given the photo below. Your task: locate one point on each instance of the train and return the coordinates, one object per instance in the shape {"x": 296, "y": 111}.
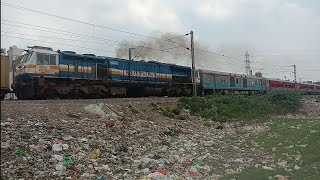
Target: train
{"x": 5, "y": 84}
{"x": 43, "y": 73}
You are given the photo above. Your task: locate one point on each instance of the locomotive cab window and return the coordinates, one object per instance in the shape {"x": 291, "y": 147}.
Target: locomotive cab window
{"x": 26, "y": 57}
{"x": 46, "y": 59}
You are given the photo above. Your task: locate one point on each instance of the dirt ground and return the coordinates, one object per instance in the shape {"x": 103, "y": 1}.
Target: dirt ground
{"x": 121, "y": 139}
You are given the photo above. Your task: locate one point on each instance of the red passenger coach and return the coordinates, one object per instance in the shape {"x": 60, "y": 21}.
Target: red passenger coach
{"x": 289, "y": 85}
{"x": 303, "y": 87}
{"x": 276, "y": 85}
{"x": 318, "y": 89}
{"x": 281, "y": 85}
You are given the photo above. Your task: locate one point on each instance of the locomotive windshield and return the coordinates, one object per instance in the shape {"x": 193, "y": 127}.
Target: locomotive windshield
{"x": 26, "y": 57}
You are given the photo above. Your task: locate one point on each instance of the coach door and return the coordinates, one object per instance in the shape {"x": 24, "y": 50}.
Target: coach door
{"x": 76, "y": 69}
{"x": 232, "y": 82}
{"x": 245, "y": 83}
{"x": 102, "y": 72}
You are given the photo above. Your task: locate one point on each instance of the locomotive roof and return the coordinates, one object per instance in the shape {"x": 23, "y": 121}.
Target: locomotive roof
{"x": 71, "y": 53}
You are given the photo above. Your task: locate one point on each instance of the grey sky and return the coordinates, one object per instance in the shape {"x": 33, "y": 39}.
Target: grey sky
{"x": 275, "y": 32}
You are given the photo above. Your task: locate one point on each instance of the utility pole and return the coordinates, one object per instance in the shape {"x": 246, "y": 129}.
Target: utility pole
{"x": 193, "y": 71}
{"x": 295, "y": 76}
{"x": 130, "y": 53}
{"x": 248, "y": 72}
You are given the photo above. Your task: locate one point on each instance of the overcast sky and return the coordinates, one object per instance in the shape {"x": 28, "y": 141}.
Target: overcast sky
{"x": 276, "y": 33}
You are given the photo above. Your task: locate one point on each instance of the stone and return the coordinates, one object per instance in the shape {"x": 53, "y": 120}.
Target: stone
{"x": 60, "y": 167}
{"x": 267, "y": 168}
{"x": 157, "y": 176}
{"x": 280, "y": 177}
{"x": 60, "y": 147}
{"x": 145, "y": 170}
{"x": 67, "y": 138}
{"x": 282, "y": 163}
{"x": 58, "y": 157}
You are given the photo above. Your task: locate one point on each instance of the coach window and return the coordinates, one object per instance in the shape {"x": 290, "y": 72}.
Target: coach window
{"x": 40, "y": 59}
{"x": 46, "y": 59}
{"x": 53, "y": 59}
{"x": 237, "y": 80}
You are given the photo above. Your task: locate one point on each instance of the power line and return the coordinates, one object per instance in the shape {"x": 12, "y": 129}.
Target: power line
{"x": 50, "y": 37}
{"x": 47, "y": 29}
{"x": 218, "y": 54}
{"x": 57, "y": 43}
{"x": 311, "y": 70}
{"x": 138, "y": 51}
{"x": 108, "y": 40}
{"x": 91, "y": 37}
{"x": 79, "y": 34}
{"x": 77, "y": 21}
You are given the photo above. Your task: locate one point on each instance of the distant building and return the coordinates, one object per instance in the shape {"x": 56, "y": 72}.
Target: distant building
{"x": 14, "y": 52}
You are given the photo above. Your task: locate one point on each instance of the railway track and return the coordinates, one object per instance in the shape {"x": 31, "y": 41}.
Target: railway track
{"x": 107, "y": 100}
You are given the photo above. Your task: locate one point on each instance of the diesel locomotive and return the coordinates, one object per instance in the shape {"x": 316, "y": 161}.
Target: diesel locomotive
{"x": 43, "y": 73}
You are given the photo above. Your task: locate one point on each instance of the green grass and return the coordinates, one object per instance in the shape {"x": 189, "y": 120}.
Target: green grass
{"x": 286, "y": 139}
{"x": 168, "y": 113}
{"x": 240, "y": 107}
{"x": 173, "y": 112}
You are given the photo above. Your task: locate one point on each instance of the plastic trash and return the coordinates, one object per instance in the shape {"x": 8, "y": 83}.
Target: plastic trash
{"x": 20, "y": 152}
{"x": 197, "y": 163}
{"x": 85, "y": 168}
{"x": 193, "y": 174}
{"x": 95, "y": 154}
{"x": 162, "y": 171}
{"x": 67, "y": 161}
{"x": 121, "y": 150}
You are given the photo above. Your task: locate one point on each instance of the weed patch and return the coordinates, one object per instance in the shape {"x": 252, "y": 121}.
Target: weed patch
{"x": 294, "y": 142}
{"x": 238, "y": 107}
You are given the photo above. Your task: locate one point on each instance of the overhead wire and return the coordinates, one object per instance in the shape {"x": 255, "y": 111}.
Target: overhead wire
{"x": 91, "y": 37}
{"x": 57, "y": 43}
{"x": 74, "y": 20}
{"x": 113, "y": 29}
{"x": 138, "y": 51}
{"x": 174, "y": 53}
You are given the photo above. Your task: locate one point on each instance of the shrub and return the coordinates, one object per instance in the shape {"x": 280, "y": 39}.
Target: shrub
{"x": 176, "y": 111}
{"x": 182, "y": 117}
{"x": 168, "y": 113}
{"x": 240, "y": 107}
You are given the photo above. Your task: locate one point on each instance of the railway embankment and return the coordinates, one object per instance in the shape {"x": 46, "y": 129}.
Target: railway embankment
{"x": 155, "y": 138}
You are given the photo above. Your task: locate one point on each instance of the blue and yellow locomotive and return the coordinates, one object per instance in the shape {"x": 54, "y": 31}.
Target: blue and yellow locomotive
{"x": 44, "y": 73}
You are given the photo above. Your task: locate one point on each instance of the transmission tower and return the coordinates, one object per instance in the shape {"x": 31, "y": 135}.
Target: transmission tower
{"x": 248, "y": 69}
